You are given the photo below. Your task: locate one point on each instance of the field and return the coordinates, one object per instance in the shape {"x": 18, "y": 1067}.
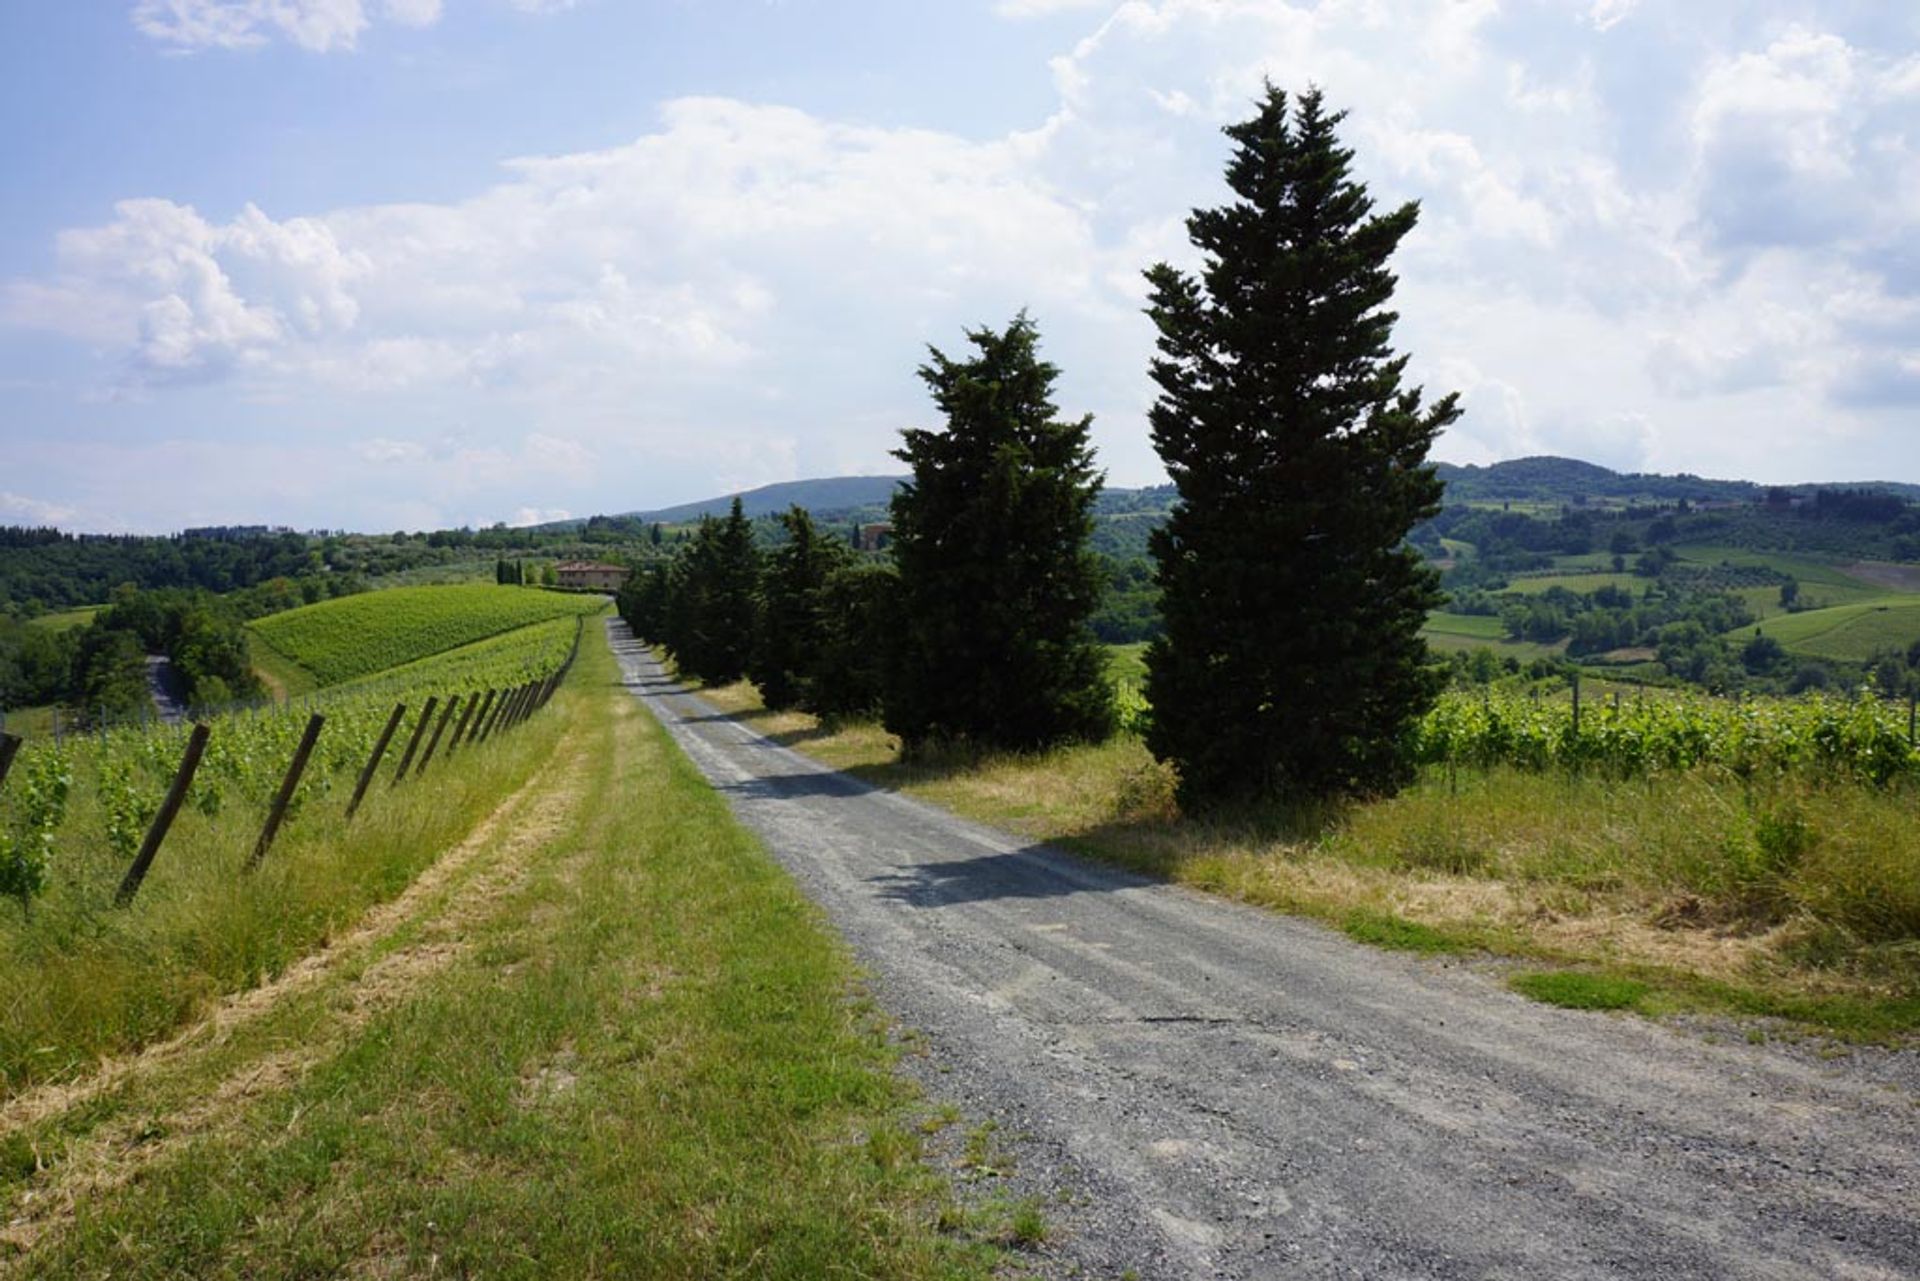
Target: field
{"x": 355, "y": 636}
{"x": 1530, "y": 584}
{"x": 564, "y": 978}
{"x": 1820, "y": 581}
{"x": 1447, "y": 633}
{"x": 1851, "y": 633}
{"x": 68, "y": 619}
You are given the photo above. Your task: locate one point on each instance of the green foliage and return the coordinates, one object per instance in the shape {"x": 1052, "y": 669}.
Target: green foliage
{"x": 1863, "y": 739}
{"x": 997, "y": 582}
{"x": 357, "y": 636}
{"x": 1574, "y": 990}
{"x": 706, "y": 611}
{"x": 1384, "y": 929}
{"x": 1292, "y": 660}
{"x": 849, "y": 673}
{"x": 791, "y": 625}
{"x": 36, "y": 805}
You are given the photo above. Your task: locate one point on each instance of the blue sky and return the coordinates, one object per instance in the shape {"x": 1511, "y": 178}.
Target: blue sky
{"x": 388, "y": 264}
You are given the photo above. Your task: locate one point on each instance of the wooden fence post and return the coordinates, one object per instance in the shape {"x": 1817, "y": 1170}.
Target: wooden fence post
{"x": 481, "y": 717}
{"x": 500, "y": 705}
{"x": 9, "y": 748}
{"x": 518, "y": 712}
{"x": 284, "y": 797}
{"x": 460, "y": 729}
{"x": 373, "y": 761}
{"x": 413, "y": 744}
{"x": 157, "y": 832}
{"x": 438, "y": 730}
{"x": 1576, "y": 703}
{"x": 502, "y": 721}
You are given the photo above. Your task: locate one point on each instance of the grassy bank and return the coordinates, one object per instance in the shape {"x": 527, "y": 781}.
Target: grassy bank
{"x": 1796, "y": 900}
{"x": 609, "y": 1038}
{"x": 81, "y": 977}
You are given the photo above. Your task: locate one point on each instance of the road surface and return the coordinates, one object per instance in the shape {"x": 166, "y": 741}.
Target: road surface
{"x": 1230, "y": 1093}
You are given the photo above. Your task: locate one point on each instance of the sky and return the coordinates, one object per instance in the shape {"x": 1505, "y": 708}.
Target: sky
{"x": 413, "y": 264}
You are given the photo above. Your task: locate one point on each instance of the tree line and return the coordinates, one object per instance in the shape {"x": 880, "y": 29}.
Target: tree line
{"x": 1290, "y": 662}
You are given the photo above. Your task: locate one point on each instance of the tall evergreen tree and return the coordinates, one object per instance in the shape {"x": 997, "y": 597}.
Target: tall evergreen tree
{"x": 996, "y": 579}
{"x": 790, "y": 629}
{"x": 714, "y": 587}
{"x": 1291, "y": 663}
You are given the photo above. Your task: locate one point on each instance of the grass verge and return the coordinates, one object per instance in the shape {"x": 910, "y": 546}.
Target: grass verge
{"x": 615, "y": 1041}
{"x": 1796, "y": 901}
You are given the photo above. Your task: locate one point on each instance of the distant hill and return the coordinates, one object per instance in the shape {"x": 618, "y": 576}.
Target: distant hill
{"x": 828, "y": 494}
{"x": 1568, "y": 480}
{"x": 1545, "y": 479}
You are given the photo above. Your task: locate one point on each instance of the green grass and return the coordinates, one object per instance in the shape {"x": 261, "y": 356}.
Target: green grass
{"x": 1532, "y": 584}
{"x": 1575, "y": 990}
{"x": 356, "y": 636}
{"x": 1819, "y": 579}
{"x": 67, "y": 619}
{"x": 283, "y": 677}
{"x": 1849, "y": 633}
{"x": 30, "y": 722}
{"x": 1384, "y": 929}
{"x": 81, "y": 979}
{"x": 618, "y": 1042}
{"x": 1446, "y": 633}
{"x": 1128, "y": 663}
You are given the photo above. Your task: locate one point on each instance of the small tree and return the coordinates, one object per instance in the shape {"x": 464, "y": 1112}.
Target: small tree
{"x": 1292, "y": 661}
{"x": 996, "y": 579}
{"x": 790, "y": 627}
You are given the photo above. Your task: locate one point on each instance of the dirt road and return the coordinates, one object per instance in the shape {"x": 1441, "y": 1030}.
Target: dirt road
{"x": 1228, "y": 1093}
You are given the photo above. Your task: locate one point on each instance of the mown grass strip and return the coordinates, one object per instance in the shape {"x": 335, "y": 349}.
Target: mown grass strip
{"x": 644, "y": 1057}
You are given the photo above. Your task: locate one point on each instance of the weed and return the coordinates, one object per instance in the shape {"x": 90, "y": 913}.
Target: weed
{"x": 1384, "y": 929}
{"x": 1576, "y": 990}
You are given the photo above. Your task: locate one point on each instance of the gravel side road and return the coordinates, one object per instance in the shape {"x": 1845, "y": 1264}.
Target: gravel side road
{"x": 1229, "y": 1093}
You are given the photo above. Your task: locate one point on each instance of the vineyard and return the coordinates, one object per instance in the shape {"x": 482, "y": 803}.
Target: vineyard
{"x": 357, "y": 636}
{"x": 82, "y": 818}
{"x": 1859, "y": 740}
{"x": 1863, "y": 739}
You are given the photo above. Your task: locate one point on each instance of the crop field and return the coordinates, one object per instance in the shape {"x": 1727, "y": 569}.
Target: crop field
{"x": 357, "y": 636}
{"x": 1575, "y": 582}
{"x": 1820, "y": 580}
{"x": 1446, "y": 633}
{"x": 1850, "y": 633}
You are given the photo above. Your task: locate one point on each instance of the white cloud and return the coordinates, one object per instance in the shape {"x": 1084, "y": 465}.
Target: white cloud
{"x": 22, "y": 510}
{"x": 523, "y": 516}
{"x": 1665, "y": 242}
{"x": 321, "y": 26}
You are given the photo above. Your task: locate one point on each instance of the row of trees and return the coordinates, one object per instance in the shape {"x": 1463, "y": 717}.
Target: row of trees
{"x": 1291, "y": 661}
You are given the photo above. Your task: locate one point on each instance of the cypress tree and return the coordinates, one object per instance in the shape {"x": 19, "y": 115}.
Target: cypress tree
{"x": 718, "y": 576}
{"x": 789, "y": 629}
{"x": 996, "y": 580}
{"x": 1292, "y": 663}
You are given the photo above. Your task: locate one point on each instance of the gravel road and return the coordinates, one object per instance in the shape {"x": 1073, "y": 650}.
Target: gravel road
{"x": 1228, "y": 1093}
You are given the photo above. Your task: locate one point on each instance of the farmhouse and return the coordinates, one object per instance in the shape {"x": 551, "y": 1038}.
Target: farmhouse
{"x": 590, "y": 575}
{"x": 873, "y": 538}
